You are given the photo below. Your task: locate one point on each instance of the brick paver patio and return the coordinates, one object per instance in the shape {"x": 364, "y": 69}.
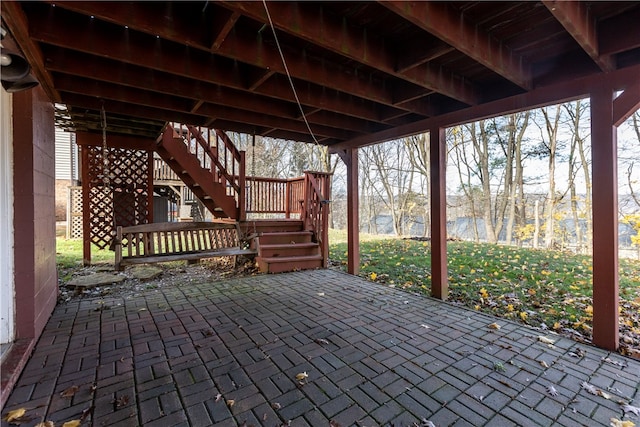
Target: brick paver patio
{"x": 228, "y": 353}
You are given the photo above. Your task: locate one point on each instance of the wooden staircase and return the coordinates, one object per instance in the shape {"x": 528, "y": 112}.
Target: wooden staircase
{"x": 286, "y": 246}
{"x": 197, "y": 168}
{"x": 208, "y": 162}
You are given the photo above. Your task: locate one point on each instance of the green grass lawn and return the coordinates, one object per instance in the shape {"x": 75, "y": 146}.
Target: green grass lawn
{"x": 69, "y": 256}
{"x": 541, "y": 288}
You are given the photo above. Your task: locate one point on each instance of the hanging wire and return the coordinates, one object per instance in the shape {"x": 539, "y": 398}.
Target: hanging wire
{"x": 286, "y": 69}
{"x": 105, "y": 150}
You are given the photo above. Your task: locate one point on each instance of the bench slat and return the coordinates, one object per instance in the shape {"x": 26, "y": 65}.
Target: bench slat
{"x": 158, "y": 242}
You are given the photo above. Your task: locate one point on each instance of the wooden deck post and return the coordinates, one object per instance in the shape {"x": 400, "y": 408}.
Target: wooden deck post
{"x": 86, "y": 220}
{"x": 605, "y": 219}
{"x": 606, "y": 115}
{"x": 350, "y": 159}
{"x": 438, "y": 149}
{"x": 242, "y": 185}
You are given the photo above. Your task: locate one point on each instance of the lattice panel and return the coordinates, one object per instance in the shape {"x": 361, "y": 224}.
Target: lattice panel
{"x": 75, "y": 217}
{"x": 125, "y": 200}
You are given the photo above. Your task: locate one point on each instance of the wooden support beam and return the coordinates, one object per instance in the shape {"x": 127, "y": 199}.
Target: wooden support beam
{"x": 439, "y": 19}
{"x": 605, "y": 219}
{"x": 16, "y": 21}
{"x": 350, "y": 159}
{"x": 223, "y": 30}
{"x": 575, "y": 18}
{"x": 438, "y": 155}
{"x": 308, "y": 21}
{"x": 141, "y": 49}
{"x": 626, "y": 104}
{"x": 546, "y": 95}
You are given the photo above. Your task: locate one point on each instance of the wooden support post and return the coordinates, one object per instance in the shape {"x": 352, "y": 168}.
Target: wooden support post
{"x": 605, "y": 219}
{"x": 242, "y": 185}
{"x": 438, "y": 149}
{"x": 86, "y": 208}
{"x": 350, "y": 159}
{"x": 150, "y": 204}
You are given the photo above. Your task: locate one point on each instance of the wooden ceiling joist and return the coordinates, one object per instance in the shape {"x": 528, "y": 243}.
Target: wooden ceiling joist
{"x": 439, "y": 19}
{"x": 575, "y": 18}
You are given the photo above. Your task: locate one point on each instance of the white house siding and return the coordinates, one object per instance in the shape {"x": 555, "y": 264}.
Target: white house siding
{"x": 7, "y": 294}
{"x": 66, "y": 155}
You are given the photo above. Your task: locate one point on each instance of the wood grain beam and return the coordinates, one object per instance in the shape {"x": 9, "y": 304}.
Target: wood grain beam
{"x": 539, "y": 97}
{"x": 626, "y": 104}
{"x": 575, "y": 18}
{"x": 129, "y": 95}
{"x": 224, "y": 29}
{"x": 309, "y": 22}
{"x": 127, "y": 109}
{"x": 146, "y": 51}
{"x": 440, "y": 20}
{"x": 101, "y": 69}
{"x": 18, "y": 25}
{"x": 619, "y": 34}
{"x": 418, "y": 54}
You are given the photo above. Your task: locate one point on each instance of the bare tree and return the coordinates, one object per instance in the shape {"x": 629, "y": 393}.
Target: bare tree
{"x": 419, "y": 158}
{"x": 549, "y": 137}
{"x": 389, "y": 166}
{"x": 464, "y": 160}
{"x": 578, "y": 161}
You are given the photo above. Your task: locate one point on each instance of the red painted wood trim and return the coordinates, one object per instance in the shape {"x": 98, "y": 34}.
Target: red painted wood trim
{"x": 438, "y": 148}
{"x": 605, "y": 220}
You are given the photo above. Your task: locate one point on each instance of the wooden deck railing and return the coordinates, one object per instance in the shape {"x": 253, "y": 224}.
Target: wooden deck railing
{"x": 306, "y": 197}
{"x": 275, "y": 195}
{"x": 162, "y": 171}
{"x": 315, "y": 209}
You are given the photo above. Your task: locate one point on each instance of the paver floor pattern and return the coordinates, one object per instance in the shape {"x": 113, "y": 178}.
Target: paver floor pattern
{"x": 228, "y": 353}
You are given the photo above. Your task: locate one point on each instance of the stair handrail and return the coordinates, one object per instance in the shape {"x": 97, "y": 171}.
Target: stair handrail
{"x": 315, "y": 209}
{"x": 229, "y": 172}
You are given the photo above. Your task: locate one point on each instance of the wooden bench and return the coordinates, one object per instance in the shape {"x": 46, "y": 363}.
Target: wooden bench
{"x": 173, "y": 241}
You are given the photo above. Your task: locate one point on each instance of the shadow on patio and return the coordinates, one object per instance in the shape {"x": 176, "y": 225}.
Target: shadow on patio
{"x": 227, "y": 353}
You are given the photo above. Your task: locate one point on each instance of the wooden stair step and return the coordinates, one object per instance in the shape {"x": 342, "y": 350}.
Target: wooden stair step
{"x": 292, "y": 263}
{"x": 289, "y": 249}
{"x": 285, "y": 237}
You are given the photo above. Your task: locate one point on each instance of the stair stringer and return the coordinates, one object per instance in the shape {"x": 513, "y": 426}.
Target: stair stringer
{"x": 200, "y": 181}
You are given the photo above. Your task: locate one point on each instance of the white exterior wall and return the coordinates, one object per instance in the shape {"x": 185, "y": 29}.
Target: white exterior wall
{"x": 7, "y": 292}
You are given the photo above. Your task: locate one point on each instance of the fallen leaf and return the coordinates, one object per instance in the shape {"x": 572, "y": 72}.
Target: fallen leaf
{"x": 15, "y": 414}
{"x": 46, "y": 424}
{"x": 302, "y": 376}
{"x": 427, "y": 423}
{"x": 604, "y": 394}
{"x": 590, "y": 388}
{"x": 69, "y": 392}
{"x": 552, "y": 390}
{"x": 218, "y": 397}
{"x": 121, "y": 401}
{"x": 276, "y": 405}
{"x": 72, "y": 423}
{"x": 494, "y": 326}
{"x": 333, "y": 423}
{"x": 88, "y": 411}
{"x": 230, "y": 403}
{"x": 617, "y": 423}
{"x": 614, "y": 362}
{"x": 633, "y": 409}
{"x": 544, "y": 364}
{"x": 321, "y": 341}
{"x": 545, "y": 340}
